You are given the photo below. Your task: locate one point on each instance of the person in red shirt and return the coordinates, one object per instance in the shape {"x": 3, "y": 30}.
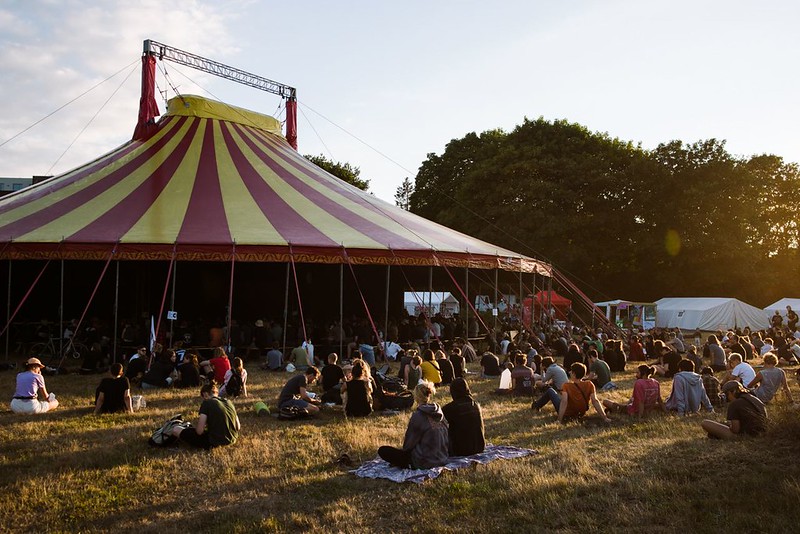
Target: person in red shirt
{"x": 216, "y": 367}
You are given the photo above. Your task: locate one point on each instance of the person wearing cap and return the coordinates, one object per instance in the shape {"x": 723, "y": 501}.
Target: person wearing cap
{"x": 747, "y": 415}
{"x": 465, "y": 419}
{"x": 30, "y": 388}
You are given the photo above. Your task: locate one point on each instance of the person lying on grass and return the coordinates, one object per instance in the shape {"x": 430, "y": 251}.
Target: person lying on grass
{"x": 114, "y": 393}
{"x": 30, "y": 387}
{"x": 217, "y": 425}
{"x": 294, "y": 393}
{"x": 426, "y": 441}
{"x": 646, "y": 395}
{"x": 576, "y": 396}
{"x": 747, "y": 415}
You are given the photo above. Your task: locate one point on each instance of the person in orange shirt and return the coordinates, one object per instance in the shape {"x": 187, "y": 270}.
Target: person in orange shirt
{"x": 577, "y": 394}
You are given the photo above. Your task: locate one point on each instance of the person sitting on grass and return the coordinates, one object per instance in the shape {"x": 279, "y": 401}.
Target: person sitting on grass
{"x": 490, "y": 365}
{"x": 137, "y": 365}
{"x": 274, "y": 358}
{"x": 114, "y": 393}
{"x": 739, "y": 370}
{"x": 426, "y": 442}
{"x": 332, "y": 378}
{"x": 465, "y": 421}
{"x": 522, "y": 377}
{"x": 413, "y": 373}
{"x": 769, "y": 380}
{"x": 188, "y": 371}
{"x": 576, "y": 396}
{"x": 646, "y": 395}
{"x": 160, "y": 374}
{"x": 294, "y": 392}
{"x": 215, "y": 368}
{"x": 357, "y": 392}
{"x": 553, "y": 380}
{"x": 445, "y": 366}
{"x": 668, "y": 359}
{"x": 747, "y": 415}
{"x": 459, "y": 364}
{"x": 431, "y": 371}
{"x": 30, "y": 388}
{"x": 712, "y": 386}
{"x": 217, "y": 425}
{"x": 235, "y": 383}
{"x": 688, "y": 393}
{"x": 599, "y": 372}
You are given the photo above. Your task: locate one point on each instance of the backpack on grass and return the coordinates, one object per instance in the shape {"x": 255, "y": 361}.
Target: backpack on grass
{"x": 291, "y": 413}
{"x": 162, "y": 437}
{"x": 235, "y": 385}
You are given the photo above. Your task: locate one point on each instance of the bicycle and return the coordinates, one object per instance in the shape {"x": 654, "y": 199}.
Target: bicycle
{"x": 75, "y": 350}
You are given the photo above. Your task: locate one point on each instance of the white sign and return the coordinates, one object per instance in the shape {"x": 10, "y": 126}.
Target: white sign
{"x": 172, "y": 315}
{"x": 494, "y": 312}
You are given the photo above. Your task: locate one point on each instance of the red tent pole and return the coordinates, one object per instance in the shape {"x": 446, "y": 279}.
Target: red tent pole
{"x": 163, "y": 300}
{"x": 27, "y": 294}
{"x": 148, "y": 108}
{"x": 291, "y": 122}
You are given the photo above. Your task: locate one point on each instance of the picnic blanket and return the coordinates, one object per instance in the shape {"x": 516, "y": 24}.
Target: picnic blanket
{"x": 379, "y": 468}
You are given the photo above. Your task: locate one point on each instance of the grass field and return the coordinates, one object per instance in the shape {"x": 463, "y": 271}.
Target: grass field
{"x": 70, "y": 471}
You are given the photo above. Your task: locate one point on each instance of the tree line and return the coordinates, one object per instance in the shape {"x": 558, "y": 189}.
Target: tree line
{"x": 619, "y": 220}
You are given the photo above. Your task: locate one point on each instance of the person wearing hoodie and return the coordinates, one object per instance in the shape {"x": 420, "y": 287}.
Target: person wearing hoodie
{"x": 426, "y": 441}
{"x": 688, "y": 393}
{"x": 465, "y": 421}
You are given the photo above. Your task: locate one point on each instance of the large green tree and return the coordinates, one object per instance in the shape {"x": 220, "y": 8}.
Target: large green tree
{"x": 343, "y": 171}
{"x": 622, "y": 221}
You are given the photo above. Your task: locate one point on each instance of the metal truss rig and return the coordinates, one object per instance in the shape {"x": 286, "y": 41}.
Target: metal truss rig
{"x": 162, "y": 52}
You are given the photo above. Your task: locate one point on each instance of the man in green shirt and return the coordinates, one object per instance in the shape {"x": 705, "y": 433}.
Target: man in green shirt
{"x": 599, "y": 372}
{"x": 217, "y": 425}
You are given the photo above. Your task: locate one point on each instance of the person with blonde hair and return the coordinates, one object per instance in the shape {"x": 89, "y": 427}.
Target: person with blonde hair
{"x": 426, "y": 442}
{"x": 30, "y": 388}
{"x": 769, "y": 380}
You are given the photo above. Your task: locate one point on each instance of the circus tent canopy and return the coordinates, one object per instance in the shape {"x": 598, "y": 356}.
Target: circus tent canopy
{"x": 212, "y": 181}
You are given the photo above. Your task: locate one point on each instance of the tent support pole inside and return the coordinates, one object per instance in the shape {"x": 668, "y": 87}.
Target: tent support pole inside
{"x": 61, "y": 312}
{"x": 8, "y": 306}
{"x": 466, "y": 302}
{"x": 341, "y": 310}
{"x": 172, "y": 304}
{"x": 230, "y": 299}
{"x": 285, "y": 308}
{"x": 386, "y": 316}
{"x": 116, "y": 315}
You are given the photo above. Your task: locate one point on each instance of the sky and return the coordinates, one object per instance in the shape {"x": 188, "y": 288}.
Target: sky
{"x": 381, "y": 85}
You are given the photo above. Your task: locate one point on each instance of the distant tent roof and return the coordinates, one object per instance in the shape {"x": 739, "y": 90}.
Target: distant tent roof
{"x": 780, "y": 305}
{"x": 211, "y": 177}
{"x": 707, "y": 313}
{"x": 617, "y": 302}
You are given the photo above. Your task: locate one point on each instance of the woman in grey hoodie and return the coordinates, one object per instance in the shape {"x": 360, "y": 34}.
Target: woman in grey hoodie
{"x": 688, "y": 393}
{"x": 426, "y": 441}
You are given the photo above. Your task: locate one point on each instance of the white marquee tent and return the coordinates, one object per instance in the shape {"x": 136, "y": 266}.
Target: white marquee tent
{"x": 781, "y": 306}
{"x": 708, "y": 313}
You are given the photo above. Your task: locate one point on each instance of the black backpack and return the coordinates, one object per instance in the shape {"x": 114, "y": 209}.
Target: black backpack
{"x": 235, "y": 385}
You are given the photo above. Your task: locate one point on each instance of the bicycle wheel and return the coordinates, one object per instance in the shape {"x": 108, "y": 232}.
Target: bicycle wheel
{"x": 78, "y": 350}
{"x": 41, "y": 351}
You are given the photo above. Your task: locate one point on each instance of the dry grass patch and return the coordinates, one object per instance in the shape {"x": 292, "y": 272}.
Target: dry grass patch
{"x": 72, "y": 471}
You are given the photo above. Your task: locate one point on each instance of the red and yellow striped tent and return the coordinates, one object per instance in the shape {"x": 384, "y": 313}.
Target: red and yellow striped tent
{"x": 215, "y": 182}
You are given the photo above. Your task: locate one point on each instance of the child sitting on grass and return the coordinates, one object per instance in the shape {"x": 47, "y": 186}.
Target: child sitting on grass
{"x": 711, "y": 384}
